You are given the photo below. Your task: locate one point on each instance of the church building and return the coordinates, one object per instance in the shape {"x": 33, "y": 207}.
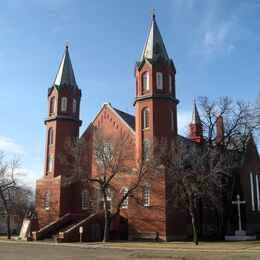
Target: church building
{"x": 62, "y": 209}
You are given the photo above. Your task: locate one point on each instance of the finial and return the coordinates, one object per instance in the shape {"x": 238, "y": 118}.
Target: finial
{"x": 194, "y": 101}
{"x": 66, "y": 44}
{"x": 153, "y": 12}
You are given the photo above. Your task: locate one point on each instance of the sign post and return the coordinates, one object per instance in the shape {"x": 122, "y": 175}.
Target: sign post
{"x": 80, "y": 234}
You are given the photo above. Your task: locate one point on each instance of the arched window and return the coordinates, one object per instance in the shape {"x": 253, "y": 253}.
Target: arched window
{"x": 109, "y": 199}
{"x": 252, "y": 191}
{"x": 170, "y": 83}
{"x": 46, "y": 200}
{"x": 146, "y": 195}
{"x": 64, "y": 103}
{"x": 146, "y": 149}
{"x": 49, "y": 163}
{"x": 172, "y": 121}
{"x": 74, "y": 106}
{"x": 124, "y": 204}
{"x": 257, "y": 179}
{"x": 52, "y": 105}
{"x": 50, "y": 136}
{"x": 159, "y": 80}
{"x": 145, "y": 81}
{"x": 104, "y": 153}
{"x": 85, "y": 199}
{"x": 145, "y": 118}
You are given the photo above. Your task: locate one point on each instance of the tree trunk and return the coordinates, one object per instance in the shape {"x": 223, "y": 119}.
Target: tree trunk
{"x": 7, "y": 215}
{"x": 194, "y": 226}
{"x": 107, "y": 226}
{"x": 8, "y": 225}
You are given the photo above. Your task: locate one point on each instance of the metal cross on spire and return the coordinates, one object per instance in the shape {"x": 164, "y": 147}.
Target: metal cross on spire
{"x": 153, "y": 12}
{"x": 67, "y": 44}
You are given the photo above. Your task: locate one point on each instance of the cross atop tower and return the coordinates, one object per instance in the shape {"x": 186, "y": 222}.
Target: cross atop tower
{"x": 153, "y": 12}
{"x": 66, "y": 44}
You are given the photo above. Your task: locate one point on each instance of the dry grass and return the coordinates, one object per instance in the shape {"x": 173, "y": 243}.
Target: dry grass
{"x": 204, "y": 246}
{"x": 245, "y": 245}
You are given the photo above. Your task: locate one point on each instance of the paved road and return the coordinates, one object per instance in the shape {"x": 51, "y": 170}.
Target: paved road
{"x": 33, "y": 251}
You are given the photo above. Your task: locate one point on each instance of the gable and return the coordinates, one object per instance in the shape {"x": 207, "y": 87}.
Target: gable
{"x": 113, "y": 119}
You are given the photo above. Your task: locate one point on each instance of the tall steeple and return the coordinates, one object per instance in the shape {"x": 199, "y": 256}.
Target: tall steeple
{"x": 65, "y": 75}
{"x": 155, "y": 102}
{"x": 62, "y": 124}
{"x": 196, "y": 130}
{"x": 63, "y": 115}
{"x": 154, "y": 47}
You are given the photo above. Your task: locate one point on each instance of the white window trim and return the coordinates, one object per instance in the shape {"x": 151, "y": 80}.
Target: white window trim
{"x": 170, "y": 83}
{"x": 159, "y": 80}
{"x": 52, "y": 104}
{"x": 50, "y": 136}
{"x": 49, "y": 163}
{"x": 146, "y": 149}
{"x": 47, "y": 203}
{"x": 109, "y": 199}
{"x": 83, "y": 193}
{"x": 64, "y": 104}
{"x": 146, "y": 113}
{"x": 252, "y": 191}
{"x": 172, "y": 122}
{"x": 146, "y": 188}
{"x": 123, "y": 191}
{"x": 74, "y": 106}
{"x": 145, "y": 74}
{"x": 257, "y": 192}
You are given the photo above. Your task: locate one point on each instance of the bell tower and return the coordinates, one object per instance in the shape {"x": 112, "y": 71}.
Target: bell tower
{"x": 63, "y": 116}
{"x": 53, "y": 198}
{"x": 155, "y": 102}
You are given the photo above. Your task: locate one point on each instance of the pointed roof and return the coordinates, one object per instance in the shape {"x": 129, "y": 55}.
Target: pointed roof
{"x": 154, "y": 47}
{"x": 65, "y": 75}
{"x": 195, "y": 115}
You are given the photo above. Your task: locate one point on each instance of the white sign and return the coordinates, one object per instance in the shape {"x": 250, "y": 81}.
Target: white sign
{"x": 80, "y": 230}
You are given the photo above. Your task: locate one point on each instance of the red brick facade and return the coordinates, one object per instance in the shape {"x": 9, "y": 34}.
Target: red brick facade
{"x": 156, "y": 117}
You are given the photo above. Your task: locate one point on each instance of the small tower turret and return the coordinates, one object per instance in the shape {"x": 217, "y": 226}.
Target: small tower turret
{"x": 196, "y": 130}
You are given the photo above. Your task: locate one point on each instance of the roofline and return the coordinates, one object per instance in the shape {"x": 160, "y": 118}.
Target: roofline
{"x": 114, "y": 111}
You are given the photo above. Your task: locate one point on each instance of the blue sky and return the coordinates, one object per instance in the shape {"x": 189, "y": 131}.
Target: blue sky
{"x": 214, "y": 44}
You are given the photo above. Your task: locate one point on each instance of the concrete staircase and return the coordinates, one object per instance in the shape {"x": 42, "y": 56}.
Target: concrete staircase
{"x": 52, "y": 230}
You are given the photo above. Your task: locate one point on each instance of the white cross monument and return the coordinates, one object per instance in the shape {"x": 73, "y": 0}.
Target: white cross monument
{"x": 239, "y": 232}
{"x": 240, "y": 235}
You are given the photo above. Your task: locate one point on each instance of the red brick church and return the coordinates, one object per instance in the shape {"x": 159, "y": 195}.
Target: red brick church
{"x": 61, "y": 210}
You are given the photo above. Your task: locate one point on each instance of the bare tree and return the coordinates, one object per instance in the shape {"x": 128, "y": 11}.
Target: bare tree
{"x": 240, "y": 121}
{"x": 11, "y": 188}
{"x": 204, "y": 172}
{"x": 237, "y": 122}
{"x": 195, "y": 173}
{"x": 111, "y": 158}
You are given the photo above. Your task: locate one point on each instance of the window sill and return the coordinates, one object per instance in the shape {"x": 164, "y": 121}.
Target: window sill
{"x": 147, "y": 128}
